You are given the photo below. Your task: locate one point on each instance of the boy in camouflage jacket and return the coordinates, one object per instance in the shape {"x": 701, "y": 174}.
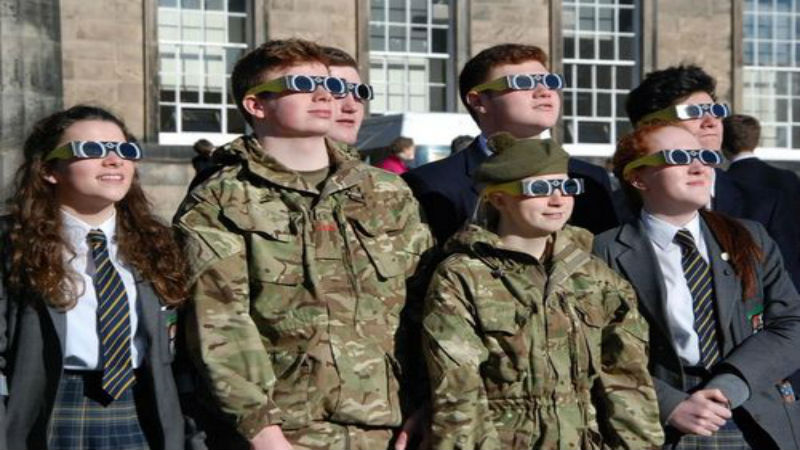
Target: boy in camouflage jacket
{"x": 532, "y": 342}
{"x": 301, "y": 256}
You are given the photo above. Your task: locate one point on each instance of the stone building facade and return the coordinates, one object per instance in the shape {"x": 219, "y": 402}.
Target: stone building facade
{"x": 60, "y": 53}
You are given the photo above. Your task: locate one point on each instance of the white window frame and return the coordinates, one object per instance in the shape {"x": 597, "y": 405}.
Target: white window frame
{"x": 179, "y": 137}
{"x": 573, "y": 122}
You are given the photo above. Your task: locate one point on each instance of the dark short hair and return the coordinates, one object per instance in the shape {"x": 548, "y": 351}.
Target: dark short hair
{"x": 272, "y": 55}
{"x": 477, "y": 69}
{"x": 339, "y": 57}
{"x": 663, "y": 88}
{"x": 741, "y": 133}
{"x": 400, "y": 144}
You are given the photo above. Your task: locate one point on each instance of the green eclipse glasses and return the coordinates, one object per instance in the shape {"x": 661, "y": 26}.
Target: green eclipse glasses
{"x": 301, "y": 83}
{"x": 95, "y": 149}
{"x": 688, "y": 112}
{"x": 521, "y": 82}
{"x": 675, "y": 157}
{"x": 539, "y": 188}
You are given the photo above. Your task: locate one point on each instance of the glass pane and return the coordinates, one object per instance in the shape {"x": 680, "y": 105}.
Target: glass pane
{"x": 783, "y": 54}
{"x": 626, "y": 20}
{"x": 190, "y": 96}
{"x": 378, "y": 104}
{"x": 441, "y": 13}
{"x": 584, "y": 107}
{"x": 586, "y": 18}
{"x": 190, "y": 4}
{"x": 765, "y": 54}
{"x": 568, "y": 103}
{"x": 783, "y": 27}
{"x": 764, "y": 26}
{"x": 237, "y": 6}
{"x": 167, "y": 119}
{"x": 621, "y": 105}
{"x": 584, "y": 76}
{"x": 438, "y": 70}
{"x": 191, "y": 65}
{"x": 606, "y": 47}
{"x": 603, "y": 77}
{"x": 782, "y": 83}
{"x": 397, "y": 39}
{"x": 419, "y": 11}
{"x": 419, "y": 40}
{"x": 624, "y": 77}
{"x": 192, "y": 28}
{"x": 212, "y": 96}
{"x": 439, "y": 37}
{"x": 781, "y": 137}
{"x": 626, "y": 48}
{"x": 748, "y": 26}
{"x": 795, "y": 137}
{"x": 568, "y": 77}
{"x": 783, "y": 5}
{"x": 568, "y": 17}
{"x": 781, "y": 110}
{"x": 236, "y": 124}
{"x": 216, "y": 5}
{"x": 167, "y": 95}
{"x": 749, "y": 5}
{"x": 215, "y": 29}
{"x": 237, "y": 31}
{"x": 231, "y": 56}
{"x": 397, "y": 10}
{"x": 169, "y": 3}
{"x": 201, "y": 120}
{"x": 605, "y": 19}
{"x": 377, "y": 38}
{"x": 569, "y": 47}
{"x": 586, "y": 48}
{"x": 603, "y": 105}
{"x": 594, "y": 132}
{"x": 796, "y": 84}
{"x": 749, "y": 53}
{"x": 438, "y": 99}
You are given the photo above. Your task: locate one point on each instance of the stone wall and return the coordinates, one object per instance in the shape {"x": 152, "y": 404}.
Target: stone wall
{"x": 333, "y": 23}
{"x": 698, "y": 32}
{"x": 30, "y": 84}
{"x": 103, "y": 57}
{"x": 495, "y": 22}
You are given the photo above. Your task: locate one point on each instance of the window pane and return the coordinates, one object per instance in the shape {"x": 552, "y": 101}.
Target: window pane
{"x": 167, "y": 119}
{"x": 440, "y": 37}
{"x": 397, "y": 11}
{"x": 201, "y": 120}
{"x": 586, "y": 18}
{"x": 568, "y": 103}
{"x": 626, "y": 48}
{"x": 377, "y": 38}
{"x": 781, "y": 110}
{"x": 397, "y": 39}
{"x": 584, "y": 104}
{"x": 626, "y": 20}
{"x": 419, "y": 40}
{"x": 584, "y": 76}
{"x": 569, "y": 47}
{"x": 606, "y": 47}
{"x": 237, "y": 6}
{"x": 587, "y": 48}
{"x": 216, "y": 5}
{"x": 604, "y": 77}
{"x": 236, "y": 124}
{"x": 438, "y": 98}
{"x": 603, "y": 104}
{"x": 624, "y": 77}
{"x": 236, "y": 29}
{"x": 605, "y": 19}
{"x": 593, "y": 132}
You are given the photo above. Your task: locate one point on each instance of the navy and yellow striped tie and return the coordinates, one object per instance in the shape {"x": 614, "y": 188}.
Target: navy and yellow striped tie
{"x": 700, "y": 282}
{"x": 113, "y": 319}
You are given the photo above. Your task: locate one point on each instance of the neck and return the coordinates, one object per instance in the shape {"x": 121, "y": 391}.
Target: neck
{"x": 679, "y": 218}
{"x": 300, "y": 153}
{"x": 532, "y": 244}
{"x": 93, "y": 216}
{"x": 519, "y": 133}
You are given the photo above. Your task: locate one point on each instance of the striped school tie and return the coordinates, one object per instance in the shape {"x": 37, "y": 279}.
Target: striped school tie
{"x": 700, "y": 282}
{"x": 113, "y": 319}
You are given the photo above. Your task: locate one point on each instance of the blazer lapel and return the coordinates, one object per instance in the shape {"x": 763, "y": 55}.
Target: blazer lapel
{"x": 727, "y": 290}
{"x": 639, "y": 265}
{"x": 59, "y": 320}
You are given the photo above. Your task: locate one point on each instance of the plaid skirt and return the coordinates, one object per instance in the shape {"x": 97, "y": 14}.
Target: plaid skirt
{"x": 729, "y": 437}
{"x": 83, "y": 419}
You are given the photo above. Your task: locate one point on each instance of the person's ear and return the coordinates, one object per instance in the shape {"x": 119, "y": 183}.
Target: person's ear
{"x": 498, "y": 200}
{"x": 477, "y": 102}
{"x": 49, "y": 176}
{"x": 255, "y": 107}
{"x": 637, "y": 182}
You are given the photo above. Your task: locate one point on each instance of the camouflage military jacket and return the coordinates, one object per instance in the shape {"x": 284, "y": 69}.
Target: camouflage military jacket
{"x": 523, "y": 355}
{"x": 298, "y": 293}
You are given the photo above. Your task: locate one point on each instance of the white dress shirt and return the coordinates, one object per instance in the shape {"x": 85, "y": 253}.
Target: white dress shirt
{"x": 82, "y": 346}
{"x": 679, "y": 308}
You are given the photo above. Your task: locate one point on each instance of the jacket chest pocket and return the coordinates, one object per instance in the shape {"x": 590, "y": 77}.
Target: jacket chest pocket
{"x": 507, "y": 345}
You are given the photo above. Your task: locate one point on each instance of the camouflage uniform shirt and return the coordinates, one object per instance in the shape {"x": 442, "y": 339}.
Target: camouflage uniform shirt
{"x": 523, "y": 355}
{"x": 299, "y": 292}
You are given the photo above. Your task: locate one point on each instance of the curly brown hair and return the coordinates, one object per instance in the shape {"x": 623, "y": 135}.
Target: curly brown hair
{"x": 36, "y": 246}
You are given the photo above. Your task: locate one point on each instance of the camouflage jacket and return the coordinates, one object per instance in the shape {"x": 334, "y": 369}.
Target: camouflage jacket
{"x": 523, "y": 355}
{"x": 299, "y": 293}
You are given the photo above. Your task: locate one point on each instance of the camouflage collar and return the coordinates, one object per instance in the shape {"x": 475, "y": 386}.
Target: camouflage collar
{"x": 257, "y": 162}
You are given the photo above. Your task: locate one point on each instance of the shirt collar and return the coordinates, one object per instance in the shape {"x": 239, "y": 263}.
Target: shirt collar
{"x": 76, "y": 230}
{"x": 743, "y": 155}
{"x": 482, "y": 141}
{"x": 662, "y": 233}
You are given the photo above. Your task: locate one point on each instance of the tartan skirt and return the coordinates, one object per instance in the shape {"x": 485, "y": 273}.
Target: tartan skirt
{"x": 83, "y": 418}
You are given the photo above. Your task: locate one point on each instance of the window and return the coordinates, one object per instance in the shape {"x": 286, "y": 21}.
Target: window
{"x": 771, "y": 74}
{"x": 410, "y": 45}
{"x": 601, "y": 64}
{"x": 199, "y": 41}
